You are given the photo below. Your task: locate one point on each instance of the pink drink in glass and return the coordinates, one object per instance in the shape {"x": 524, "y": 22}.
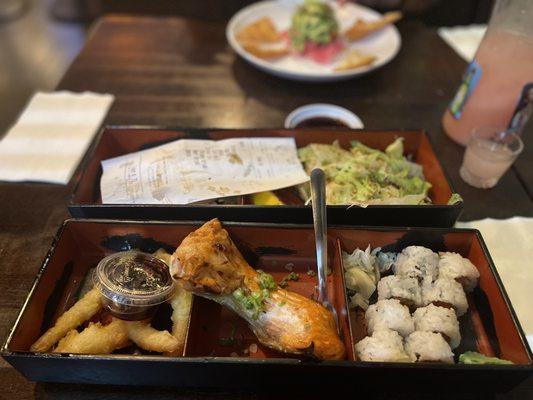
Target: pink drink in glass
{"x": 506, "y": 66}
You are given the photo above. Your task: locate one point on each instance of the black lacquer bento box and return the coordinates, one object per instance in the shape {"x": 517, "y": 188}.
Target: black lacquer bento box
{"x": 490, "y": 326}
{"x": 112, "y": 142}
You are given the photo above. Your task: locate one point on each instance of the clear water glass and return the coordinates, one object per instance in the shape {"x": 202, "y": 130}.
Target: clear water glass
{"x": 489, "y": 154}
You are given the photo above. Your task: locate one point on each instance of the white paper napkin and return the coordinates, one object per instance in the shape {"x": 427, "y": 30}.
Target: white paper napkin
{"x": 510, "y": 243}
{"x": 463, "y": 39}
{"x": 51, "y": 136}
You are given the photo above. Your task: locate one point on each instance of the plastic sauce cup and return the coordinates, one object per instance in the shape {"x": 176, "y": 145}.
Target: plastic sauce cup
{"x": 133, "y": 284}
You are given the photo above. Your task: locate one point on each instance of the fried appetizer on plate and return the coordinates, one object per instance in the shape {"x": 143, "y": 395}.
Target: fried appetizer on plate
{"x": 261, "y": 31}
{"x": 209, "y": 264}
{"x": 265, "y": 52}
{"x": 262, "y": 40}
{"x": 361, "y": 29}
{"x": 83, "y": 310}
{"x": 353, "y": 60}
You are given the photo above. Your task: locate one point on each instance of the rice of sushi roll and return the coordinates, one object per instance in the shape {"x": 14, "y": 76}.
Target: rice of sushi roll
{"x": 417, "y": 262}
{"x": 405, "y": 289}
{"x": 454, "y": 266}
{"x": 383, "y": 345}
{"x": 428, "y": 346}
{"x": 389, "y": 314}
{"x": 440, "y": 320}
{"x": 446, "y": 292}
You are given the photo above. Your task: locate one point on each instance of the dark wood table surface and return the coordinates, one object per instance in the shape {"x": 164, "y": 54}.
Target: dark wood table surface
{"x": 181, "y": 73}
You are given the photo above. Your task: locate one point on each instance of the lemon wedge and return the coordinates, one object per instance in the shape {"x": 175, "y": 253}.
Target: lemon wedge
{"x": 266, "y": 199}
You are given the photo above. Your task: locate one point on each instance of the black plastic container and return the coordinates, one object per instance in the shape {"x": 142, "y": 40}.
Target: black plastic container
{"x": 116, "y": 141}
{"x": 79, "y": 245}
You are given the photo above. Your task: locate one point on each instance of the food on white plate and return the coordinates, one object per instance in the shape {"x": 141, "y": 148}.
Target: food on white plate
{"x": 417, "y": 262}
{"x": 424, "y": 346}
{"x": 261, "y": 31}
{"x": 95, "y": 339}
{"x": 314, "y": 33}
{"x": 83, "y": 310}
{"x": 209, "y": 264}
{"x": 440, "y": 320}
{"x": 446, "y": 292}
{"x": 389, "y": 314}
{"x": 365, "y": 176}
{"x": 455, "y": 266}
{"x": 354, "y": 59}
{"x": 265, "y": 52}
{"x": 383, "y": 345}
{"x": 407, "y": 290}
{"x": 361, "y": 29}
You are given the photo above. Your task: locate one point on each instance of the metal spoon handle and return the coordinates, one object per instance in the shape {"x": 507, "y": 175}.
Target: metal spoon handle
{"x": 318, "y": 197}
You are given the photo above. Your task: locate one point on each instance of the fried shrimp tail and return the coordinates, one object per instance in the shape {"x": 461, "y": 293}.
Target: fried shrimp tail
{"x": 181, "y": 304}
{"x": 81, "y": 311}
{"x": 95, "y": 339}
{"x": 150, "y": 339}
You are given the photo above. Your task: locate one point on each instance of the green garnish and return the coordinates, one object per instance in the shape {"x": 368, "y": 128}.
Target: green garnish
{"x": 293, "y": 276}
{"x": 363, "y": 175}
{"x": 255, "y": 301}
{"x": 472, "y": 357}
{"x": 266, "y": 281}
{"x": 454, "y": 199}
{"x": 314, "y": 21}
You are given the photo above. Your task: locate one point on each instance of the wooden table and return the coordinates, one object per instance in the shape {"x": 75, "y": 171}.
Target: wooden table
{"x": 180, "y": 72}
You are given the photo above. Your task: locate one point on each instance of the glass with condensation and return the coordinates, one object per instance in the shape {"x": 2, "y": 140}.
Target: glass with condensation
{"x": 497, "y": 87}
{"x": 489, "y": 154}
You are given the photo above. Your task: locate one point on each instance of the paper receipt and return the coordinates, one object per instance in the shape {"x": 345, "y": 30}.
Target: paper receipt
{"x": 189, "y": 170}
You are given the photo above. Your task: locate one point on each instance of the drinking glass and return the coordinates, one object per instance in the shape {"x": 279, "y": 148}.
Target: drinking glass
{"x": 489, "y": 154}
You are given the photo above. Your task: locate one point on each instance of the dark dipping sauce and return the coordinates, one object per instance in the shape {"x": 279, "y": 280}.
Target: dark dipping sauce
{"x": 133, "y": 284}
{"x": 139, "y": 274}
{"x": 322, "y": 122}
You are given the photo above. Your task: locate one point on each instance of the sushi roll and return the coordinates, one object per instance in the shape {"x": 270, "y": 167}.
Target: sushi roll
{"x": 417, "y": 262}
{"x": 446, "y": 292}
{"x": 389, "y": 314}
{"x": 440, "y": 320}
{"x": 454, "y": 266}
{"x": 383, "y": 345}
{"x": 428, "y": 346}
{"x": 405, "y": 289}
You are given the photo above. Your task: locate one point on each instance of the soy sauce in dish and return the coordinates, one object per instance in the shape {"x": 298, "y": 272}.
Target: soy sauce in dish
{"x": 321, "y": 122}
{"x": 133, "y": 284}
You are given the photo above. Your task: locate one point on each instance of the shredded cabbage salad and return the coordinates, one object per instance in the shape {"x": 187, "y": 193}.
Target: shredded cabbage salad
{"x": 364, "y": 176}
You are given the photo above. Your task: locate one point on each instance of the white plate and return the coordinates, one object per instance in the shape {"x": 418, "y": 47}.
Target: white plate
{"x": 383, "y": 44}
